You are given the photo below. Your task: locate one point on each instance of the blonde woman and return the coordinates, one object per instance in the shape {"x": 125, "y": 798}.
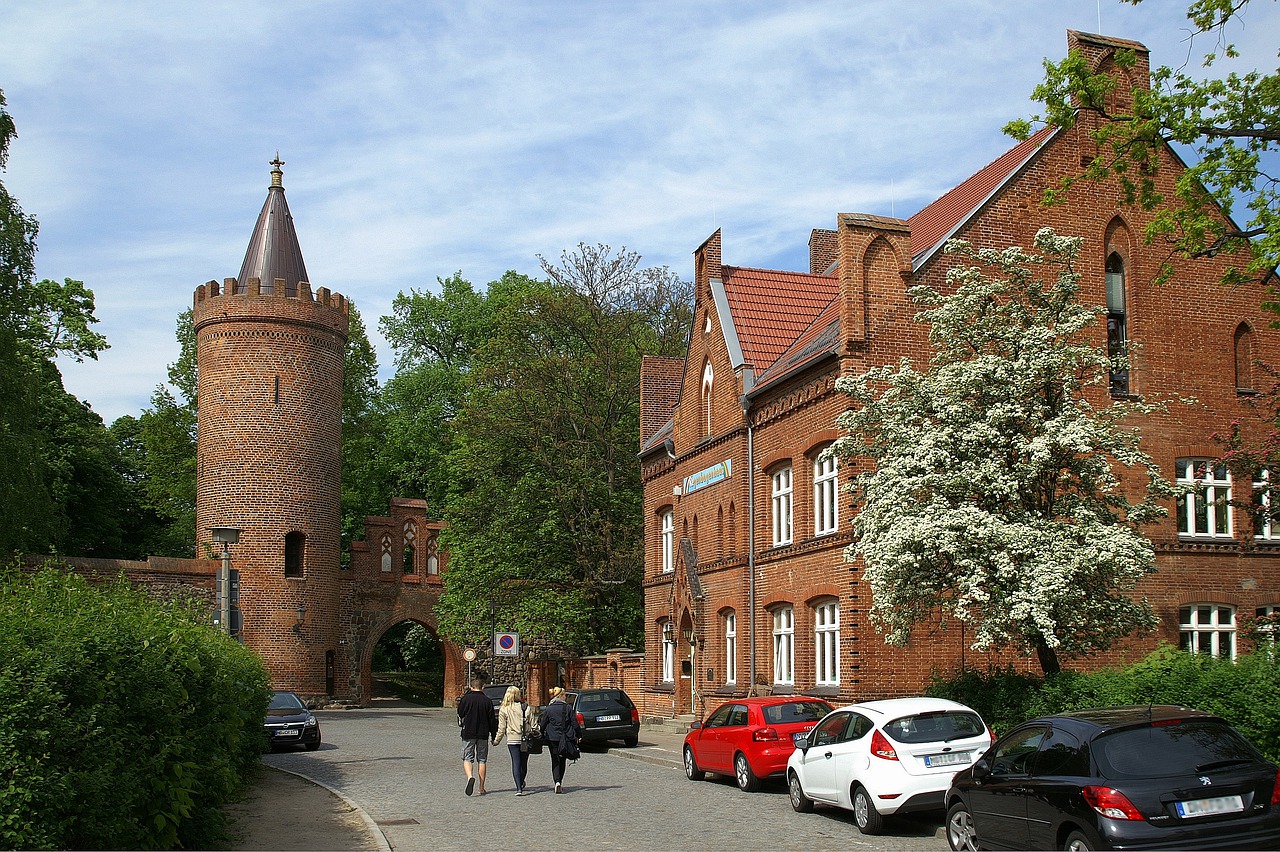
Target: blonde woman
{"x": 514, "y": 725}
{"x": 560, "y": 730}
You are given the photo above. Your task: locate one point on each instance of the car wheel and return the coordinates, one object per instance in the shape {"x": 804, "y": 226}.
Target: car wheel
{"x": 631, "y": 742}
{"x": 865, "y": 815}
{"x": 747, "y": 780}
{"x": 800, "y": 803}
{"x": 1076, "y": 842}
{"x": 315, "y": 745}
{"x": 961, "y": 835}
{"x": 691, "y": 770}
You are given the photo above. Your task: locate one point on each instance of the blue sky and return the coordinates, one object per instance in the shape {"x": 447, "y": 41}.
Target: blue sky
{"x": 425, "y": 138}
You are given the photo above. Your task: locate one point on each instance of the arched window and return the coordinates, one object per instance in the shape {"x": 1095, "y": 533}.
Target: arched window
{"x": 826, "y": 643}
{"x": 730, "y": 646}
{"x": 433, "y": 556}
{"x": 1117, "y": 322}
{"x": 386, "y": 552}
{"x": 1244, "y": 359}
{"x": 294, "y": 545}
{"x": 668, "y": 541}
{"x": 708, "y": 378}
{"x": 784, "y": 647}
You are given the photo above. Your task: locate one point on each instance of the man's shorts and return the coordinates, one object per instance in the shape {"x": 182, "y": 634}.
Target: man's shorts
{"x": 475, "y": 751}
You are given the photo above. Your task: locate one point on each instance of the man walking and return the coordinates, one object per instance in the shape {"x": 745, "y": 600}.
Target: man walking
{"x": 479, "y": 721}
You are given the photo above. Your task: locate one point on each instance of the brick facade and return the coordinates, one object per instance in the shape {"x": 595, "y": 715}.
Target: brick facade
{"x": 774, "y": 408}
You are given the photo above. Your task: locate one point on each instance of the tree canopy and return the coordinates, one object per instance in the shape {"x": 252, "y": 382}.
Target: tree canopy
{"x": 1229, "y": 123}
{"x": 996, "y": 493}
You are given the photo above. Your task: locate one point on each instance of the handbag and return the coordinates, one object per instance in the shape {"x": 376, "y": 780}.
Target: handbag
{"x": 530, "y": 736}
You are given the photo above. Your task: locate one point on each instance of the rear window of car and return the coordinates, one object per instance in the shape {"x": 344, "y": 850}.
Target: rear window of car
{"x": 795, "y": 711}
{"x": 935, "y": 726}
{"x": 602, "y": 700}
{"x": 1189, "y": 747}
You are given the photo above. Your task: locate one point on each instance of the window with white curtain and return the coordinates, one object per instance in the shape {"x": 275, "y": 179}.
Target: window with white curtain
{"x": 782, "y": 506}
{"x": 784, "y": 645}
{"x": 730, "y": 647}
{"x": 826, "y": 641}
{"x": 826, "y": 506}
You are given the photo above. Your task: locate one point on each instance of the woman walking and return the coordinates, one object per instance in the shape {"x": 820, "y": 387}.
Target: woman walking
{"x": 514, "y": 724}
{"x": 562, "y": 734}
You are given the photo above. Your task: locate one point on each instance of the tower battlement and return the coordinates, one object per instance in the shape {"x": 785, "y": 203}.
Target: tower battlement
{"x": 278, "y": 287}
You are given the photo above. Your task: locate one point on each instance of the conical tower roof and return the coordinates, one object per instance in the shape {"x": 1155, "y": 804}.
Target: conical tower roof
{"x": 273, "y": 249}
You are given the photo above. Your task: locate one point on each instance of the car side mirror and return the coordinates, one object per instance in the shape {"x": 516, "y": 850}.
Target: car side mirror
{"x": 802, "y": 742}
{"x": 693, "y": 726}
{"x": 981, "y": 769}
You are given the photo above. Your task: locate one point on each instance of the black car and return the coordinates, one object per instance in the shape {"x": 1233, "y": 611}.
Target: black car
{"x": 1156, "y": 777}
{"x": 606, "y": 714}
{"x": 290, "y": 723}
{"x": 496, "y": 692}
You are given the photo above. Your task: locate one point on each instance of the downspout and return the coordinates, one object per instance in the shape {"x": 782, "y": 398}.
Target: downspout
{"x": 751, "y": 550}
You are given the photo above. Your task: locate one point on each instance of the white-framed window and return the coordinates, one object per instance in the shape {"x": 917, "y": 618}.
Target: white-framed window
{"x": 1264, "y": 527}
{"x": 1208, "y": 628}
{"x": 668, "y": 520}
{"x": 1267, "y": 626}
{"x": 784, "y": 645}
{"x": 730, "y": 647}
{"x": 826, "y": 642}
{"x": 782, "y": 506}
{"x": 708, "y": 379}
{"x": 667, "y": 639}
{"x": 1204, "y": 511}
{"x": 826, "y": 490}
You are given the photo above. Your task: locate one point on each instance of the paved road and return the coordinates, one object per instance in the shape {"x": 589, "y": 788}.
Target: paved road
{"x": 402, "y": 765}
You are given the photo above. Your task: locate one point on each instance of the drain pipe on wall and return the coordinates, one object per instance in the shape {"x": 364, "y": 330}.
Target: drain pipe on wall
{"x": 751, "y": 549}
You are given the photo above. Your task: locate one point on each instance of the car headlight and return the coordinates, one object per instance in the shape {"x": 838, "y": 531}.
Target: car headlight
{"x": 312, "y": 721}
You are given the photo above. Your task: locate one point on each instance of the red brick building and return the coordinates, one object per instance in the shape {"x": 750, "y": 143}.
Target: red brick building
{"x": 746, "y": 585}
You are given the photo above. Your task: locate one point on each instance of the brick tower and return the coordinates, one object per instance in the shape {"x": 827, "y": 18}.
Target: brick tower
{"x": 270, "y": 360}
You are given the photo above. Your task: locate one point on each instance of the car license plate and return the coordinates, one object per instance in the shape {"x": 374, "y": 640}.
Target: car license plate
{"x": 949, "y": 759}
{"x": 285, "y": 732}
{"x": 613, "y": 718}
{"x": 1207, "y": 807}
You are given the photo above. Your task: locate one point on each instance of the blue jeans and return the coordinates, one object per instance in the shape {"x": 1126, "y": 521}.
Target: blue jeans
{"x": 519, "y": 765}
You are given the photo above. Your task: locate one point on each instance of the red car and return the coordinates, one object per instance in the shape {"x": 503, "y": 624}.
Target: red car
{"x": 750, "y": 738}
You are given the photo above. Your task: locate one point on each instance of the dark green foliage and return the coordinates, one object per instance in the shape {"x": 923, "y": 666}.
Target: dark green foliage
{"x": 1246, "y": 692}
{"x": 126, "y": 722}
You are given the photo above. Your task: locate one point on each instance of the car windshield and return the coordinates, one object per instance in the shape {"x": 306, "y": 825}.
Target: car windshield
{"x": 588, "y": 701}
{"x": 1179, "y": 748}
{"x": 285, "y": 701}
{"x": 935, "y": 726}
{"x": 795, "y": 711}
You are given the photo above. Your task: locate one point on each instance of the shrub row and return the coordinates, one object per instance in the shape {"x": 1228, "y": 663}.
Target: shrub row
{"x": 126, "y": 722}
{"x": 1245, "y": 692}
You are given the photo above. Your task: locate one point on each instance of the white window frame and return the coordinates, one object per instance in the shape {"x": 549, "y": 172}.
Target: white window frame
{"x": 730, "y": 647}
{"x": 1208, "y": 628}
{"x": 1263, "y": 528}
{"x": 784, "y": 646}
{"x": 666, "y": 638}
{"x": 1204, "y": 511}
{"x": 826, "y": 491}
{"x": 668, "y": 522}
{"x": 1267, "y": 634}
{"x": 782, "y": 486}
{"x": 826, "y": 643}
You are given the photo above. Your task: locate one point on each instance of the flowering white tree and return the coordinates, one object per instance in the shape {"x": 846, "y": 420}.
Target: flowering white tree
{"x": 996, "y": 494}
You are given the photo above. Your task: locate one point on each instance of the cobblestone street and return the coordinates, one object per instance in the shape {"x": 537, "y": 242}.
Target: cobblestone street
{"x": 401, "y": 764}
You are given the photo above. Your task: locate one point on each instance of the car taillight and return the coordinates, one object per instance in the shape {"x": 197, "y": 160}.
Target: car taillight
{"x": 581, "y": 721}
{"x": 764, "y": 735}
{"x": 880, "y": 747}
{"x": 635, "y": 715}
{"x": 1111, "y": 803}
{"x": 1275, "y": 792}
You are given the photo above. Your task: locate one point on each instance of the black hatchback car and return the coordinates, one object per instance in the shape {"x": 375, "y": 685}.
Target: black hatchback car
{"x": 606, "y": 714}
{"x": 290, "y": 723}
{"x": 1158, "y": 777}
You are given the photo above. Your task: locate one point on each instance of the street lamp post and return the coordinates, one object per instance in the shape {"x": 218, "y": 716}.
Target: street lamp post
{"x": 493, "y": 638}
{"x": 226, "y": 536}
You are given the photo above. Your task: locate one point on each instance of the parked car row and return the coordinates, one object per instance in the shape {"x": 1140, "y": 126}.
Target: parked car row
{"x": 1155, "y": 777}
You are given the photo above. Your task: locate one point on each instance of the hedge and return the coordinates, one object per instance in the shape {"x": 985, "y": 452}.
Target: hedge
{"x": 126, "y": 722}
{"x": 1245, "y": 692}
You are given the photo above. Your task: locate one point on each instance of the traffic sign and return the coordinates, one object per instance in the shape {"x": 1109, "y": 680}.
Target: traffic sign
{"x": 506, "y": 644}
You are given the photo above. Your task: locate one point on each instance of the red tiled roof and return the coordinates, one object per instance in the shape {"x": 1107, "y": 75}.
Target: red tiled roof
{"x": 771, "y": 308}
{"x": 821, "y": 338}
{"x": 932, "y": 224}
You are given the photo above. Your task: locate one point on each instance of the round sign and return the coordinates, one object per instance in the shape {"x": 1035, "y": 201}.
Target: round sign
{"x": 506, "y": 641}
{"x": 469, "y": 655}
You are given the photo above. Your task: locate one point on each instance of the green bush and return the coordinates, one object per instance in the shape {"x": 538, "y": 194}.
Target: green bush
{"x": 126, "y": 722}
{"x": 1245, "y": 692}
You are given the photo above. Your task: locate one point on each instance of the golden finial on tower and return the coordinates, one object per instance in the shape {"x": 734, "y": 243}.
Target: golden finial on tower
{"x": 277, "y": 176}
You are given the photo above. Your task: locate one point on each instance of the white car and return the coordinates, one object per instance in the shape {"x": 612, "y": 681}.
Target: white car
{"x": 885, "y": 757}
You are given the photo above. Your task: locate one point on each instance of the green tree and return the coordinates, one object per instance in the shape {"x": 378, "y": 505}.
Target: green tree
{"x": 545, "y": 512}
{"x": 1230, "y": 123}
{"x": 996, "y": 495}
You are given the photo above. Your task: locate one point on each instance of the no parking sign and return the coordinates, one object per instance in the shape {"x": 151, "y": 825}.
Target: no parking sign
{"x": 506, "y": 644}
